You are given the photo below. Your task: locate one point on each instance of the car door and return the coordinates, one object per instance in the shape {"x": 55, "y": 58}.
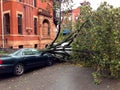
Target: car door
{"x": 43, "y": 60}
{"x": 29, "y": 59}
{"x": 40, "y": 59}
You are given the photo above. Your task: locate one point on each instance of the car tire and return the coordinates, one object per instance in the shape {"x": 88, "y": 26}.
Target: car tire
{"x": 18, "y": 69}
{"x": 50, "y": 62}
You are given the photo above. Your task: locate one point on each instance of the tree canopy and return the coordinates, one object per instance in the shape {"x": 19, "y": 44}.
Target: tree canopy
{"x": 100, "y": 35}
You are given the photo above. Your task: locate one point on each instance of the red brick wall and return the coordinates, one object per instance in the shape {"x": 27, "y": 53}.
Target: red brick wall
{"x": 29, "y": 12}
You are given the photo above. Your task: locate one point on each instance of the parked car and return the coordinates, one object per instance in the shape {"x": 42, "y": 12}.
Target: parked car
{"x": 23, "y": 59}
{"x": 66, "y": 31}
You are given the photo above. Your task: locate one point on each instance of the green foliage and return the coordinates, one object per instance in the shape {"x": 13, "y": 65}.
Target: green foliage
{"x": 61, "y": 36}
{"x": 100, "y": 36}
{"x": 96, "y": 76}
{"x": 2, "y": 52}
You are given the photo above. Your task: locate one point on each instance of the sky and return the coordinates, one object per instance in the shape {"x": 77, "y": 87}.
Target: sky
{"x": 96, "y": 3}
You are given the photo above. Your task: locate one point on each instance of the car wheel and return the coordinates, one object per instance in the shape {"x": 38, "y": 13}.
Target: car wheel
{"x": 49, "y": 62}
{"x": 18, "y": 69}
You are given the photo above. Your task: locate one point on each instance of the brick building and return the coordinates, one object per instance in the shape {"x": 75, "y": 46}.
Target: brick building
{"x": 75, "y": 14}
{"x": 27, "y": 23}
{"x": 70, "y": 17}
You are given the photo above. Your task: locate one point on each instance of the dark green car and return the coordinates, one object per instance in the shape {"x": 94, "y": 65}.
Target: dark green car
{"x": 23, "y": 59}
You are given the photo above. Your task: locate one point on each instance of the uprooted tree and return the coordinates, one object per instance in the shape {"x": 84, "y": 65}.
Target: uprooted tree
{"x": 96, "y": 40}
{"x": 52, "y": 48}
{"x": 100, "y": 37}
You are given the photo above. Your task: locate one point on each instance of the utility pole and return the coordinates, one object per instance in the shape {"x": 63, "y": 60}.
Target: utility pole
{"x": 3, "y": 46}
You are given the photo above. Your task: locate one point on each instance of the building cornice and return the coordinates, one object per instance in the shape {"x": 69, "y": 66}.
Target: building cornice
{"x": 44, "y": 12}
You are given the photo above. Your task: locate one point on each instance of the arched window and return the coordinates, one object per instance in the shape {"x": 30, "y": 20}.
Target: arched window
{"x": 46, "y": 28}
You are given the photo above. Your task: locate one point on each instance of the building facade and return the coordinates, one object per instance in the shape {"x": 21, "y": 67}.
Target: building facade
{"x": 69, "y": 18}
{"x": 75, "y": 14}
{"x": 26, "y": 23}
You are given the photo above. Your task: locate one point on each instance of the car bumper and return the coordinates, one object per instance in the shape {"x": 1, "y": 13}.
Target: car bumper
{"x": 6, "y": 69}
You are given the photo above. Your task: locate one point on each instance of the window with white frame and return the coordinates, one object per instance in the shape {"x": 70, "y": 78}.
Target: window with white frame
{"x": 19, "y": 0}
{"x": 35, "y": 25}
{"x": 7, "y": 23}
{"x": 34, "y": 3}
{"x": 19, "y": 23}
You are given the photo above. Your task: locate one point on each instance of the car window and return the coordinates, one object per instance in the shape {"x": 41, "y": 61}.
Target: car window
{"x": 27, "y": 52}
{"x": 36, "y": 52}
{"x": 16, "y": 53}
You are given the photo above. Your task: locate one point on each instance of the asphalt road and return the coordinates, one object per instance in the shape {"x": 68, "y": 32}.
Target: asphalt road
{"x": 57, "y": 77}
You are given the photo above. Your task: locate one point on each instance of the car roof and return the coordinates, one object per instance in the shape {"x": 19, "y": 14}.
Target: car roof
{"x": 27, "y": 48}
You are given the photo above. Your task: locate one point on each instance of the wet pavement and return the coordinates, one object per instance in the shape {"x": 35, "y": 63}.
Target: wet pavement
{"x": 57, "y": 77}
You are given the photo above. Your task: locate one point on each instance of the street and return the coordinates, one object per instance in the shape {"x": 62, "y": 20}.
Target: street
{"x": 57, "y": 77}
